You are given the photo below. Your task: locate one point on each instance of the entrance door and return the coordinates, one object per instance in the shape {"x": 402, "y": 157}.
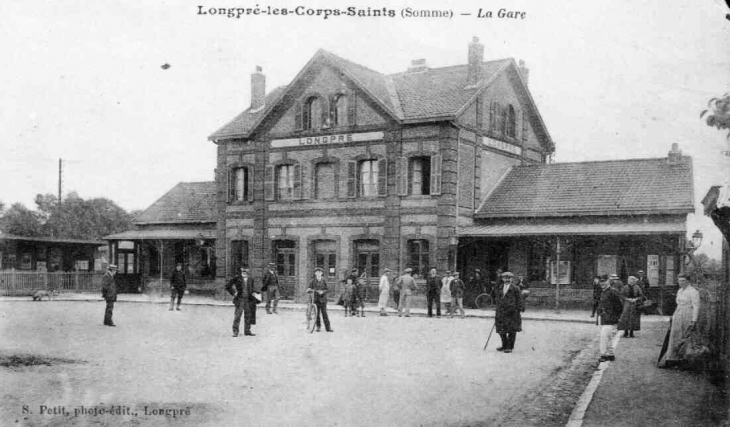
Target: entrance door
{"x": 286, "y": 266}
{"x": 127, "y": 278}
{"x": 325, "y": 257}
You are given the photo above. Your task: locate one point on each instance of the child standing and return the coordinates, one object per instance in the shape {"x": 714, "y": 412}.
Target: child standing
{"x": 348, "y": 297}
{"x": 361, "y": 294}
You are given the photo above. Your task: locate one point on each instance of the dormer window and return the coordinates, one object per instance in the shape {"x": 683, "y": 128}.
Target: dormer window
{"x": 312, "y": 114}
{"x": 339, "y": 110}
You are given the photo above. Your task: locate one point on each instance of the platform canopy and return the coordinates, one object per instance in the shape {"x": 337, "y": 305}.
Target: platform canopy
{"x": 575, "y": 229}
{"x": 163, "y": 234}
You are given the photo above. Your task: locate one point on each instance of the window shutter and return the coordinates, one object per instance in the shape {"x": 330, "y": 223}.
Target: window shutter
{"x": 352, "y": 110}
{"x": 249, "y": 171}
{"x": 351, "y": 178}
{"x": 298, "y": 122}
{"x": 325, "y": 113}
{"x": 382, "y": 177}
{"x": 297, "y": 182}
{"x": 524, "y": 127}
{"x": 229, "y": 185}
{"x": 269, "y": 183}
{"x": 436, "y": 174}
{"x": 401, "y": 171}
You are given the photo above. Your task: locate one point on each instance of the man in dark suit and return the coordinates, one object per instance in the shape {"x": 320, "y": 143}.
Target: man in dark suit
{"x": 178, "y": 284}
{"x": 242, "y": 288}
{"x": 319, "y": 286}
{"x": 109, "y": 293}
{"x": 433, "y": 295}
{"x": 508, "y": 320}
{"x": 271, "y": 287}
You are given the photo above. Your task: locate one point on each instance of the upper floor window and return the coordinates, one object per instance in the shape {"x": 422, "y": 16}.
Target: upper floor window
{"x": 312, "y": 114}
{"x": 510, "y": 126}
{"x": 283, "y": 182}
{"x": 340, "y": 110}
{"x": 240, "y": 184}
{"x": 366, "y": 178}
{"x": 324, "y": 180}
{"x": 493, "y": 119}
{"x": 419, "y": 175}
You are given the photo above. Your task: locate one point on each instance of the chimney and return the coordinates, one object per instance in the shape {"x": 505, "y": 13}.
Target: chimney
{"x": 417, "y": 65}
{"x": 524, "y": 71}
{"x": 258, "y": 89}
{"x": 476, "y": 56}
{"x": 675, "y": 154}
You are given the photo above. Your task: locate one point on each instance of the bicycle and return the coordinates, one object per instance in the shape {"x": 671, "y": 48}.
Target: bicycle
{"x": 311, "y": 312}
{"x": 484, "y": 301}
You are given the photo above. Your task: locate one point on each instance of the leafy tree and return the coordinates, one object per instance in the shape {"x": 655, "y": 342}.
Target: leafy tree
{"x": 21, "y": 221}
{"x": 81, "y": 219}
{"x": 718, "y": 113}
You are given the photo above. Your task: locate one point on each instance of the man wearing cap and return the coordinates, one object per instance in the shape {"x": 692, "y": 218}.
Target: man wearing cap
{"x": 384, "y": 288}
{"x": 271, "y": 287}
{"x": 407, "y": 285}
{"x": 109, "y": 293}
{"x": 457, "y": 295}
{"x": 433, "y": 295}
{"x": 177, "y": 285}
{"x": 507, "y": 318}
{"x": 609, "y": 311}
{"x": 319, "y": 286}
{"x": 242, "y": 288}
{"x": 616, "y": 283}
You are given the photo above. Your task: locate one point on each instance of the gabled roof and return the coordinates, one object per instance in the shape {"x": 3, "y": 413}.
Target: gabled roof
{"x": 617, "y": 187}
{"x": 410, "y": 97}
{"x": 187, "y": 202}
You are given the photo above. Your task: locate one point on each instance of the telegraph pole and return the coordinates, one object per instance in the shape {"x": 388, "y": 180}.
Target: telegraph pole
{"x": 60, "y": 179}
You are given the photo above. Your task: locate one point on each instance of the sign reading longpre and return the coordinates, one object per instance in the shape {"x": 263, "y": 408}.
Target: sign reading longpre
{"x": 341, "y": 138}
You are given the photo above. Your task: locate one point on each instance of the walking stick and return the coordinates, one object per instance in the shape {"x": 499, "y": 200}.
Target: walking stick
{"x": 490, "y": 335}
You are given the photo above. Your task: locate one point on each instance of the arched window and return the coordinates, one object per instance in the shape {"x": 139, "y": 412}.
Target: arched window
{"x": 511, "y": 127}
{"x": 312, "y": 114}
{"x": 493, "y": 120}
{"x": 339, "y": 110}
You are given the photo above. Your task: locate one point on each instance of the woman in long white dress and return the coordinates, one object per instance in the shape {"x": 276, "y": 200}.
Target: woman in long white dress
{"x": 384, "y": 288}
{"x": 682, "y": 325}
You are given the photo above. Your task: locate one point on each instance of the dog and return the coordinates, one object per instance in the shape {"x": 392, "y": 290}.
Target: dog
{"x": 38, "y": 296}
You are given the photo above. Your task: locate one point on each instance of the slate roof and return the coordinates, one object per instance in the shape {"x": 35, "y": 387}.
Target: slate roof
{"x": 187, "y": 202}
{"x": 619, "y": 187}
{"x": 408, "y": 96}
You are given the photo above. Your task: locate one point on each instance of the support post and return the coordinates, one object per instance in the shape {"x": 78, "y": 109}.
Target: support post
{"x": 557, "y": 275}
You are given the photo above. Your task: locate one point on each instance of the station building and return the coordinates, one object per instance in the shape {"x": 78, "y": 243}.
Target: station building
{"x": 348, "y": 167}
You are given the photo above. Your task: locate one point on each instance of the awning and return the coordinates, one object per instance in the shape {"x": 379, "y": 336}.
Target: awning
{"x": 575, "y": 229}
{"x": 164, "y": 234}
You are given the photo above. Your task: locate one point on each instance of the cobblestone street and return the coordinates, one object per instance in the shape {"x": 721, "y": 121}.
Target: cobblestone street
{"x": 370, "y": 371}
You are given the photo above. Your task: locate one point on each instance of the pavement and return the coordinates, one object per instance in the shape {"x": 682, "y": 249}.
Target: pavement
{"x": 630, "y": 391}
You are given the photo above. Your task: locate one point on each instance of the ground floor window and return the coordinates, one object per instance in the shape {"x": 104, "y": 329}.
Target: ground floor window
{"x": 418, "y": 257}
{"x": 367, "y": 254}
{"x": 285, "y": 257}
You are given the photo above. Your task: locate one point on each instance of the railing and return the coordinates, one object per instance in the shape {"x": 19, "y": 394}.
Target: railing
{"x": 20, "y": 283}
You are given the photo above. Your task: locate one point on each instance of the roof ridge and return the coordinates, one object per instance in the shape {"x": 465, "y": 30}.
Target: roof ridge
{"x": 596, "y": 161}
{"x": 449, "y": 66}
{"x": 326, "y": 52}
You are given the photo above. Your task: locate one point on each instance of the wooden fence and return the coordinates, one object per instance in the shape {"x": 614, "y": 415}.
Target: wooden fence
{"x": 20, "y": 283}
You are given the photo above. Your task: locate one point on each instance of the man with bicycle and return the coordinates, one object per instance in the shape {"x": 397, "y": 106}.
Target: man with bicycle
{"x": 318, "y": 286}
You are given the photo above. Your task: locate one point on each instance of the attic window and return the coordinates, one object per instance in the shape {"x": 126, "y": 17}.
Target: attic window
{"x": 312, "y": 114}
{"x": 339, "y": 110}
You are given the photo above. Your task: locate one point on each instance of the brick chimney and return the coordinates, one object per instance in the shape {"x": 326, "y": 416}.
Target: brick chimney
{"x": 258, "y": 89}
{"x": 675, "y": 154}
{"x": 524, "y": 71}
{"x": 417, "y": 65}
{"x": 476, "y": 56}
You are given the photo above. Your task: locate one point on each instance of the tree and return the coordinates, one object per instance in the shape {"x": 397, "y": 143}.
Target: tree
{"x": 81, "y": 219}
{"x": 718, "y": 113}
{"x": 21, "y": 221}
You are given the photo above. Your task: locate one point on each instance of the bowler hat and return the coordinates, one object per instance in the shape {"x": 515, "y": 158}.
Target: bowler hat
{"x": 111, "y": 266}
{"x": 507, "y": 274}
{"x": 318, "y": 269}
{"x": 408, "y": 270}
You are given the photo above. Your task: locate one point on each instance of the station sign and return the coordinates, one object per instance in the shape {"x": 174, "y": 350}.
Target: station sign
{"x": 341, "y": 138}
{"x": 501, "y": 145}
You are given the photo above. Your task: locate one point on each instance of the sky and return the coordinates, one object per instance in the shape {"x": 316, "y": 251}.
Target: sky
{"x": 84, "y": 81}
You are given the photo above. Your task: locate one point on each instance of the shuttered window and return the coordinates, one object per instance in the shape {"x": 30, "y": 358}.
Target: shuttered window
{"x": 351, "y": 179}
{"x": 383, "y": 177}
{"x": 240, "y": 184}
{"x": 368, "y": 178}
{"x": 436, "y": 174}
{"x": 286, "y": 182}
{"x": 269, "y": 193}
